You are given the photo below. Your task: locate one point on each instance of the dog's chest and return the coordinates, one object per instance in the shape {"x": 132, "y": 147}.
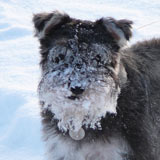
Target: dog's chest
{"x": 114, "y": 149}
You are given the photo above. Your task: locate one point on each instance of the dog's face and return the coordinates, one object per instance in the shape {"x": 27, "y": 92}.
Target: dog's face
{"x": 80, "y": 67}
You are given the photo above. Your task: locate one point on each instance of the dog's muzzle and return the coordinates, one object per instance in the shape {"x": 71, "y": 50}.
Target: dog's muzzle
{"x": 76, "y": 107}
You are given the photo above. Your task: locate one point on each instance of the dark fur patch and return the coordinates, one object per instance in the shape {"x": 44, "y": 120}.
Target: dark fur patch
{"x": 40, "y": 20}
{"x": 124, "y": 25}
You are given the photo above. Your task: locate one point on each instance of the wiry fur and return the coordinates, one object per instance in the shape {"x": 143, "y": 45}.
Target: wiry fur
{"x": 133, "y": 133}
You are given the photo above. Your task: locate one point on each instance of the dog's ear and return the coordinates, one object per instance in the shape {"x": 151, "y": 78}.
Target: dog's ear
{"x": 120, "y": 30}
{"x": 45, "y": 22}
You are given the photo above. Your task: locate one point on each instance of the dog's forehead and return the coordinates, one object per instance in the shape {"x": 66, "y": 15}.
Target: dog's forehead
{"x": 84, "y": 31}
{"x": 52, "y": 26}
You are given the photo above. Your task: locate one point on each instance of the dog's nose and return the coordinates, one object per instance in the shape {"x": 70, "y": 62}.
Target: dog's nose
{"x": 77, "y": 90}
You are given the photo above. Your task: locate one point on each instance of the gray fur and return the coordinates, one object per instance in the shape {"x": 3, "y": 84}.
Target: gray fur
{"x": 81, "y": 58}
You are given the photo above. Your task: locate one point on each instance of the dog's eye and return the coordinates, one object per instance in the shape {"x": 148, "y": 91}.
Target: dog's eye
{"x": 58, "y": 58}
{"x": 98, "y": 58}
{"x": 61, "y": 56}
{"x": 55, "y": 60}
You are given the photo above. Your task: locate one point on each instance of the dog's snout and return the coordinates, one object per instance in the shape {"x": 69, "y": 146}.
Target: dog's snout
{"x": 77, "y": 90}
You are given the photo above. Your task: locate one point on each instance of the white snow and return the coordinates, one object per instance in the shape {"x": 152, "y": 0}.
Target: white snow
{"x": 20, "y": 135}
{"x": 88, "y": 110}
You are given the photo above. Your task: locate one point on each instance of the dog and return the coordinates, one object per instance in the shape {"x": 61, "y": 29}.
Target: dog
{"x": 99, "y": 100}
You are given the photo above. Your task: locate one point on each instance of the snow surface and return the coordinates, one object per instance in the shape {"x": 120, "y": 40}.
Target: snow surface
{"x": 20, "y": 129}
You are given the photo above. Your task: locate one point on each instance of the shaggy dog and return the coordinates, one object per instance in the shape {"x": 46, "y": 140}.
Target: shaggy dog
{"x": 98, "y": 101}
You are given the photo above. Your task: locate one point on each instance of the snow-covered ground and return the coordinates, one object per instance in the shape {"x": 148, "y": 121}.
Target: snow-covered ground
{"x": 20, "y": 129}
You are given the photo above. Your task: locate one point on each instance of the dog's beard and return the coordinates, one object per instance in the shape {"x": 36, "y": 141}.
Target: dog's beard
{"x": 98, "y": 99}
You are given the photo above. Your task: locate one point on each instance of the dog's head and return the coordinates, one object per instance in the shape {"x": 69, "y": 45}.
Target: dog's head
{"x": 81, "y": 67}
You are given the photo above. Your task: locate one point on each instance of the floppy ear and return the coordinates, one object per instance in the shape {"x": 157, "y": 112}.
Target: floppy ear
{"x": 45, "y": 22}
{"x": 120, "y": 30}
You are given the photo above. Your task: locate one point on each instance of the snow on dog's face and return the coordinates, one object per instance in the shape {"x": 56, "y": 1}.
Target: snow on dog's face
{"x": 80, "y": 68}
